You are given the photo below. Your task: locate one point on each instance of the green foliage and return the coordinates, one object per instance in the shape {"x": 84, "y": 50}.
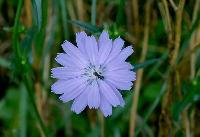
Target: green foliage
{"x": 190, "y": 98}
{"x": 86, "y": 26}
{"x": 27, "y": 52}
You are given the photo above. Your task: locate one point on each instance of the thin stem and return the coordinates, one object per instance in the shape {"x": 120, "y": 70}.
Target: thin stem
{"x": 135, "y": 16}
{"x": 178, "y": 31}
{"x": 28, "y": 12}
{"x": 102, "y": 125}
{"x": 168, "y": 24}
{"x": 93, "y": 12}
{"x": 173, "y": 5}
{"x": 193, "y": 62}
{"x": 192, "y": 41}
{"x": 31, "y": 96}
{"x": 80, "y": 9}
{"x": 64, "y": 17}
{"x": 72, "y": 14}
{"x": 15, "y": 43}
{"x": 165, "y": 121}
{"x": 140, "y": 73}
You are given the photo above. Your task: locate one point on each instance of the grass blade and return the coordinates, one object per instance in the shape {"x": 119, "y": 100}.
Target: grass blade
{"x": 157, "y": 65}
{"x": 15, "y": 42}
{"x": 120, "y": 14}
{"x": 37, "y": 8}
{"x": 89, "y": 27}
{"x": 146, "y": 64}
{"x": 93, "y": 12}
{"x": 187, "y": 39}
{"x": 64, "y": 17}
{"x": 151, "y": 109}
{"x": 23, "y": 112}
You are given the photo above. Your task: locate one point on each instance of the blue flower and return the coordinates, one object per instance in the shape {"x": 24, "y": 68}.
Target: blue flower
{"x": 93, "y": 73}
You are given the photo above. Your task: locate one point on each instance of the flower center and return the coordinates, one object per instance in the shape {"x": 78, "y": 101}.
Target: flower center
{"x": 94, "y": 72}
{"x": 98, "y": 75}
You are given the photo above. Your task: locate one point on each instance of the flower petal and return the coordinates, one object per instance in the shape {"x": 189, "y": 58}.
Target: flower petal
{"x": 114, "y": 66}
{"x": 74, "y": 91}
{"x": 121, "y": 75}
{"x": 68, "y": 61}
{"x": 103, "y": 37}
{"x": 80, "y": 102}
{"x": 74, "y": 52}
{"x": 80, "y": 40}
{"x": 62, "y": 59}
{"x": 65, "y": 86}
{"x": 92, "y": 49}
{"x": 93, "y": 95}
{"x": 118, "y": 94}
{"x": 108, "y": 93}
{"x": 120, "y": 84}
{"x": 105, "y": 106}
{"x": 116, "y": 49}
{"x": 126, "y": 52}
{"x": 104, "y": 51}
{"x": 105, "y": 46}
{"x": 66, "y": 72}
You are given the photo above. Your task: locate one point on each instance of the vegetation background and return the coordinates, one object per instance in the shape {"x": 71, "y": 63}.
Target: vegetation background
{"x": 165, "y": 98}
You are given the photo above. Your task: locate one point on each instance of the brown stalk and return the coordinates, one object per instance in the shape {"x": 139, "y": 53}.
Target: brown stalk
{"x": 80, "y": 9}
{"x": 179, "y": 13}
{"x": 135, "y": 17}
{"x": 194, "y": 39}
{"x": 102, "y": 124}
{"x": 72, "y": 14}
{"x": 173, "y": 5}
{"x": 165, "y": 122}
{"x": 168, "y": 24}
{"x": 27, "y": 4}
{"x": 140, "y": 72}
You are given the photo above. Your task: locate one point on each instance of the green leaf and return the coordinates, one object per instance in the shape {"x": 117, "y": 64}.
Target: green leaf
{"x": 62, "y": 4}
{"x": 15, "y": 41}
{"x": 37, "y": 9}
{"x": 146, "y": 64}
{"x": 120, "y": 14}
{"x": 158, "y": 64}
{"x": 89, "y": 27}
{"x": 192, "y": 96}
{"x": 187, "y": 38}
{"x": 27, "y": 42}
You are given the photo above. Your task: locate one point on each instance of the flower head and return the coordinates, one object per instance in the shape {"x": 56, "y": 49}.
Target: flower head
{"x": 93, "y": 73}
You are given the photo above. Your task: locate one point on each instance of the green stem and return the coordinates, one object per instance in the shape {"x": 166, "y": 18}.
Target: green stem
{"x": 15, "y": 43}
{"x": 93, "y": 14}
{"x": 31, "y": 95}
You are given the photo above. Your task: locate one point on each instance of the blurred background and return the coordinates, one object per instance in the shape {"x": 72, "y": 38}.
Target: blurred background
{"x": 165, "y": 98}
